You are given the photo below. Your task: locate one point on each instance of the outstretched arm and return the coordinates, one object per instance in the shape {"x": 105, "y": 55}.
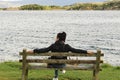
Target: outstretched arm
{"x": 79, "y": 50}
{"x": 41, "y": 50}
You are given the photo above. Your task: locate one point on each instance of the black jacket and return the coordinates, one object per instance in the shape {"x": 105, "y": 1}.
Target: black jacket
{"x": 59, "y": 46}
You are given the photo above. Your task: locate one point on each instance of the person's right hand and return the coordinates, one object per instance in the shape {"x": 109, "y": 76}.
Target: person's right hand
{"x": 90, "y": 52}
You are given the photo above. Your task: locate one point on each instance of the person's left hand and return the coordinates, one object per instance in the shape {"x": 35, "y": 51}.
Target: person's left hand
{"x": 30, "y": 52}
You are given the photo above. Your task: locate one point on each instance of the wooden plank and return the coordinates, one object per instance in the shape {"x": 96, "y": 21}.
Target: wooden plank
{"x": 60, "y": 54}
{"x": 61, "y": 61}
{"x": 68, "y": 67}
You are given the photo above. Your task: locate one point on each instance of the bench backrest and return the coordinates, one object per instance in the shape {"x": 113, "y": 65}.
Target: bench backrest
{"x": 97, "y": 56}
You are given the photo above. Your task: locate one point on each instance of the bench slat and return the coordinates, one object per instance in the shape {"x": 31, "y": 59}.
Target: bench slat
{"x": 61, "y": 61}
{"x": 60, "y": 54}
{"x": 68, "y": 67}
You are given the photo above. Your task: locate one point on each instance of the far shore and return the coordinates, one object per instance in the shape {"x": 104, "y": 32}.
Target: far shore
{"x": 107, "y": 5}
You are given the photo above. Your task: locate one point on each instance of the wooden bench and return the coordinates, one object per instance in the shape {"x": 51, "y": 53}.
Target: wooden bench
{"x": 95, "y": 68}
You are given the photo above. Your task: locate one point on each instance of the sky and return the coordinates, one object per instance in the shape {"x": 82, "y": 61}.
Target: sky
{"x": 14, "y": 3}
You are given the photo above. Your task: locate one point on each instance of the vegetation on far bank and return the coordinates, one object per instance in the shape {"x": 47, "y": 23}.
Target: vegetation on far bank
{"x": 11, "y": 71}
{"x": 39, "y": 7}
{"x": 108, "y": 5}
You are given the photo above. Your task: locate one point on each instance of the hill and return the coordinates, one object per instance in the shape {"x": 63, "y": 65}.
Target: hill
{"x": 110, "y": 5}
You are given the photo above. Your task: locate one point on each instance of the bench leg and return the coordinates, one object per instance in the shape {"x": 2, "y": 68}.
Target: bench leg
{"x": 25, "y": 72}
{"x": 97, "y": 65}
{"x": 95, "y": 75}
{"x": 56, "y": 75}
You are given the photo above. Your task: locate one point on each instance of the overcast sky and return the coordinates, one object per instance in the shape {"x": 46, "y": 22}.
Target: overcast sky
{"x": 13, "y": 3}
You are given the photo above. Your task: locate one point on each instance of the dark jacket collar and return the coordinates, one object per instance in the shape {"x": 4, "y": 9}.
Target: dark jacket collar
{"x": 59, "y": 42}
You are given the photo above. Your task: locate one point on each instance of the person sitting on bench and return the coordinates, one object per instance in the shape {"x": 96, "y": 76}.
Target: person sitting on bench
{"x": 59, "y": 46}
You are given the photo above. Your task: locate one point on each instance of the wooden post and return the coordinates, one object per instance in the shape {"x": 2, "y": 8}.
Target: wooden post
{"x": 24, "y": 66}
{"x": 97, "y": 65}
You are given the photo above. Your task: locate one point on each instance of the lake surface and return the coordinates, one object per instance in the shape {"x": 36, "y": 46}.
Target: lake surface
{"x": 89, "y": 30}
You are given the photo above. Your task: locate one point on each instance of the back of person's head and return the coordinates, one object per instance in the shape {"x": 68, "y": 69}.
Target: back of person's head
{"x": 61, "y": 36}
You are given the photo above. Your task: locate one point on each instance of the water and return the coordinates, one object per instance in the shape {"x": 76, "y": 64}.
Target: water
{"x": 88, "y": 30}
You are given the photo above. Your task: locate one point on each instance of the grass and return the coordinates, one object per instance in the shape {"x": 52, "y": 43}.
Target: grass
{"x": 11, "y": 71}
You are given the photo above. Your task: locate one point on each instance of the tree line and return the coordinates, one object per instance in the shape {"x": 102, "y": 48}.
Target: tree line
{"x": 39, "y": 7}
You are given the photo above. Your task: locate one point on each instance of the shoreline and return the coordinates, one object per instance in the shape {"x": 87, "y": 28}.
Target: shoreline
{"x": 59, "y": 10}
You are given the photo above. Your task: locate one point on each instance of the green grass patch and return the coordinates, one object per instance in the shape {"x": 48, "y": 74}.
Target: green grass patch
{"x": 11, "y": 71}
